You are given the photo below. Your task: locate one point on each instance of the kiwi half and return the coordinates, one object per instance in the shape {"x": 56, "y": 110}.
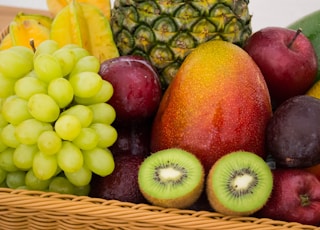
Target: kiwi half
{"x": 171, "y": 178}
{"x": 239, "y": 184}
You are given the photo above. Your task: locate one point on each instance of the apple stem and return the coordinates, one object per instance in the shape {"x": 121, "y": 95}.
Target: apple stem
{"x": 295, "y": 37}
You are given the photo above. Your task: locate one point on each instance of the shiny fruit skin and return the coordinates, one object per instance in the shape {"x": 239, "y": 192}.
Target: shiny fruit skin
{"x": 217, "y": 103}
{"x": 122, "y": 183}
{"x": 295, "y": 197}
{"x": 137, "y": 88}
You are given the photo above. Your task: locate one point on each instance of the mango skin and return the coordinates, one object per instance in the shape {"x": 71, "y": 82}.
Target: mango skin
{"x": 217, "y": 103}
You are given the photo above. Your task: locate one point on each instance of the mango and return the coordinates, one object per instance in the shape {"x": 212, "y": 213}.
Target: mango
{"x": 217, "y": 103}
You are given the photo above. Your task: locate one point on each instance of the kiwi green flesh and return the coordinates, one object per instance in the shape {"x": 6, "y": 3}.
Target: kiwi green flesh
{"x": 239, "y": 183}
{"x": 171, "y": 178}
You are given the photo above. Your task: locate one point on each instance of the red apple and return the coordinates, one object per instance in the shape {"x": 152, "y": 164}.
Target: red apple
{"x": 287, "y": 60}
{"x": 295, "y": 197}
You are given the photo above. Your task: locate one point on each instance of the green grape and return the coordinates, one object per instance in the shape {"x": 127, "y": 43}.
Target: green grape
{"x": 82, "y": 112}
{"x": 47, "y": 67}
{"x": 49, "y": 142}
{"x": 78, "y": 52}
{"x": 34, "y": 183}
{"x": 82, "y": 190}
{"x": 69, "y": 157}
{"x": 15, "y": 110}
{"x": 24, "y": 51}
{"x": 1, "y": 102}
{"x": 3, "y": 146}
{"x": 99, "y": 160}
{"x": 44, "y": 166}
{"x": 103, "y": 113}
{"x": 8, "y": 136}
{"x": 103, "y": 95}
{"x": 68, "y": 127}
{"x": 6, "y": 160}
{"x": 3, "y": 122}
{"x": 107, "y": 134}
{"x": 7, "y": 86}
{"x": 15, "y": 179}
{"x": 15, "y": 63}
{"x": 61, "y": 91}
{"x": 81, "y": 177}
{"x": 86, "y": 64}
{"x": 3, "y": 175}
{"x": 27, "y": 86}
{"x": 43, "y": 107}
{"x": 28, "y": 131}
{"x": 46, "y": 47}
{"x": 66, "y": 59}
{"x": 61, "y": 185}
{"x": 23, "y": 156}
{"x": 85, "y": 84}
{"x": 87, "y": 139}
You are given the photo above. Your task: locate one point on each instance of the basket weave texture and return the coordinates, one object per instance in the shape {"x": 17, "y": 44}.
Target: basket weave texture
{"x": 38, "y": 210}
{"x": 23, "y": 209}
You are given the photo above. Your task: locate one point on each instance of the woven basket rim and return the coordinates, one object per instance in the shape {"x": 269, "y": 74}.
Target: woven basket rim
{"x": 62, "y": 206}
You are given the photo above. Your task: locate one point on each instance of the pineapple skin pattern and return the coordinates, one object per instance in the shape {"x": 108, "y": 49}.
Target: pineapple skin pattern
{"x": 165, "y": 31}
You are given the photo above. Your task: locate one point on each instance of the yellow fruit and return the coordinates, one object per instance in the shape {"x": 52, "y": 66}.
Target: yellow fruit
{"x": 6, "y": 42}
{"x": 27, "y": 27}
{"x": 69, "y": 26}
{"x": 85, "y": 25}
{"x": 101, "y": 40}
{"x": 314, "y": 91}
{"x": 217, "y": 103}
{"x": 54, "y": 6}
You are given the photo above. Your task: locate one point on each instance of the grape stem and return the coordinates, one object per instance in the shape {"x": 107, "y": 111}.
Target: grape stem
{"x": 31, "y": 42}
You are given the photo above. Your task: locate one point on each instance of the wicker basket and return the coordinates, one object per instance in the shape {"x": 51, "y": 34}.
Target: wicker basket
{"x": 23, "y": 209}
{"x": 37, "y": 210}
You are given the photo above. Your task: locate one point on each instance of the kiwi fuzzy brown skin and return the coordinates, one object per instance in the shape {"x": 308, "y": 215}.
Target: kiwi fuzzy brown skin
{"x": 168, "y": 194}
{"x": 250, "y": 199}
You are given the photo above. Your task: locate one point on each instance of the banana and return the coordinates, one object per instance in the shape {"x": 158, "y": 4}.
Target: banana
{"x": 310, "y": 25}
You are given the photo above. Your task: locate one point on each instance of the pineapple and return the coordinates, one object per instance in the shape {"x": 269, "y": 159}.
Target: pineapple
{"x": 166, "y": 31}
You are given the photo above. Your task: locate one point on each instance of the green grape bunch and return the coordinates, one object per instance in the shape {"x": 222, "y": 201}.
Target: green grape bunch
{"x": 55, "y": 121}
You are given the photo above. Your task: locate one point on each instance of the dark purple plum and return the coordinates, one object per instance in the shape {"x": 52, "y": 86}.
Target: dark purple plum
{"x": 293, "y": 134}
{"x": 122, "y": 183}
{"x": 137, "y": 88}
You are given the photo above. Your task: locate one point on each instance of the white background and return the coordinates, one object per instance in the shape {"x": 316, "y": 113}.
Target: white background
{"x": 265, "y": 12}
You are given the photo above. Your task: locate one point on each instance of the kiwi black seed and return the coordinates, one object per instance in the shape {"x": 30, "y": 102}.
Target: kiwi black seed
{"x": 239, "y": 184}
{"x": 171, "y": 178}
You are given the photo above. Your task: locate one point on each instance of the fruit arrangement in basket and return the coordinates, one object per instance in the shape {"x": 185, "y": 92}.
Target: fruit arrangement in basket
{"x": 175, "y": 104}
